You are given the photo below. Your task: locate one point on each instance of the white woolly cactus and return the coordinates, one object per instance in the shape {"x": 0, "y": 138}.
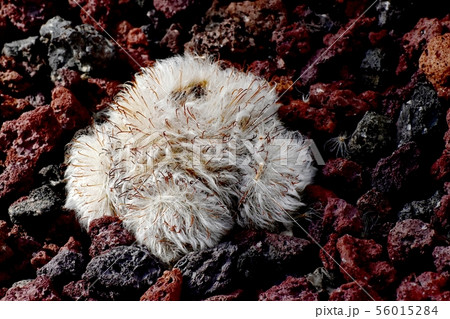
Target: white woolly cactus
{"x": 188, "y": 150}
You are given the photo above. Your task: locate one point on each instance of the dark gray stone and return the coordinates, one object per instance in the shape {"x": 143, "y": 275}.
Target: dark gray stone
{"x": 81, "y": 47}
{"x": 372, "y": 138}
{"x": 375, "y": 69}
{"x": 421, "y": 118}
{"x": 421, "y": 209}
{"x": 24, "y": 49}
{"x": 122, "y": 273}
{"x": 209, "y": 272}
{"x": 41, "y": 203}
{"x": 66, "y": 266}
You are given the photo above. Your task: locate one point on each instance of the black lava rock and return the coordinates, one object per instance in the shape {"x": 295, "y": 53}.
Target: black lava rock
{"x": 66, "y": 266}
{"x": 41, "y": 204}
{"x": 372, "y": 138}
{"x": 421, "y": 118}
{"x": 81, "y": 48}
{"x": 209, "y": 272}
{"x": 122, "y": 273}
{"x": 421, "y": 209}
{"x": 375, "y": 69}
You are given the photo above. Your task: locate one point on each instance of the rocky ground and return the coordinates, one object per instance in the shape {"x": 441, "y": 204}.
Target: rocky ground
{"x": 375, "y": 100}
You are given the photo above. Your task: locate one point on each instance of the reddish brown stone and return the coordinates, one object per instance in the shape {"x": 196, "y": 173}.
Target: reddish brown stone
{"x": 297, "y": 112}
{"x": 292, "y": 41}
{"x": 172, "y": 40}
{"x": 77, "y": 290}
{"x": 427, "y": 286}
{"x": 360, "y": 260}
{"x": 12, "y": 81}
{"x": 107, "y": 232}
{"x": 341, "y": 217}
{"x": 67, "y": 78}
{"x": 100, "y": 10}
{"x": 265, "y": 69}
{"x": 353, "y": 291}
{"x": 415, "y": 41}
{"x": 441, "y": 255}
{"x": 319, "y": 194}
{"x": 329, "y": 253}
{"x": 102, "y": 92}
{"x": 435, "y": 63}
{"x": 5, "y": 251}
{"x": 26, "y": 15}
{"x": 410, "y": 239}
{"x": 68, "y": 110}
{"x": 11, "y": 107}
{"x": 166, "y": 288}
{"x": 397, "y": 172}
{"x": 234, "y": 296}
{"x": 292, "y": 289}
{"x": 172, "y": 7}
{"x": 23, "y": 142}
{"x": 440, "y": 170}
{"x": 443, "y": 211}
{"x": 343, "y": 173}
{"x": 374, "y": 201}
{"x": 40, "y": 289}
{"x": 40, "y": 259}
{"x": 73, "y": 245}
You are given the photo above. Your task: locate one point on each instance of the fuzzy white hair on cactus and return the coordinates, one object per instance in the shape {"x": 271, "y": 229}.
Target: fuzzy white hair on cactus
{"x": 187, "y": 151}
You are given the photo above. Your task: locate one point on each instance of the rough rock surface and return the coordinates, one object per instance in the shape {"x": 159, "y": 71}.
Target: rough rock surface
{"x": 122, "y": 273}
{"x": 167, "y": 287}
{"x": 292, "y": 289}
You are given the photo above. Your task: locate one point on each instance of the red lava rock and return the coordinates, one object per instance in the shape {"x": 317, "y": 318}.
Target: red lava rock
{"x": 374, "y": 201}
{"x": 68, "y": 110}
{"x": 361, "y": 260}
{"x": 397, "y": 171}
{"x": 341, "y": 217}
{"x": 135, "y": 45}
{"x": 378, "y": 37}
{"x": 319, "y": 93}
{"x": 172, "y": 39}
{"x": 102, "y": 92}
{"x": 415, "y": 40}
{"x": 40, "y": 259}
{"x": 335, "y": 45}
{"x": 172, "y": 7}
{"x": 237, "y": 27}
{"x": 292, "y": 41}
{"x": 329, "y": 253}
{"x": 67, "y": 78}
{"x": 234, "y": 296}
{"x": 292, "y": 289}
{"x": 24, "y": 141}
{"x": 11, "y": 107}
{"x": 283, "y": 84}
{"x": 5, "y": 251}
{"x": 26, "y": 15}
{"x": 348, "y": 103}
{"x": 435, "y": 63}
{"x": 319, "y": 194}
{"x": 427, "y": 286}
{"x": 440, "y": 170}
{"x": 443, "y": 211}
{"x": 410, "y": 239}
{"x": 343, "y": 173}
{"x": 77, "y": 290}
{"x": 353, "y": 291}
{"x": 166, "y": 288}
{"x": 298, "y": 112}
{"x": 40, "y": 289}
{"x": 265, "y": 69}
{"x": 13, "y": 82}
{"x": 107, "y": 232}
{"x": 73, "y": 245}
{"x": 441, "y": 255}
{"x": 100, "y": 10}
